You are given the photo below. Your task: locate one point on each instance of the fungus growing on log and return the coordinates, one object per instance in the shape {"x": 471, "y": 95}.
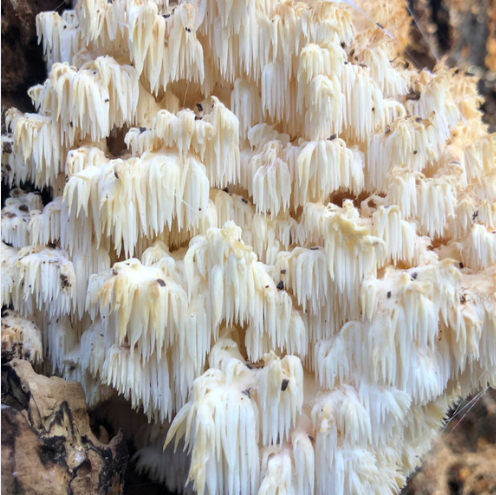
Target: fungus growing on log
{"x": 268, "y": 233}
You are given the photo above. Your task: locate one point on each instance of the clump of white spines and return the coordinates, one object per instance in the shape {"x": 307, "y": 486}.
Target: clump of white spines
{"x": 269, "y": 232}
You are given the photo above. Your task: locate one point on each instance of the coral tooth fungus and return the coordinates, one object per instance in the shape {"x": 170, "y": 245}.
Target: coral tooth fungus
{"x": 268, "y": 232}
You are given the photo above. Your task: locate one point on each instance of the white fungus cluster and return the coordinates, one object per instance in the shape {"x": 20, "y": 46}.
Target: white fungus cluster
{"x": 269, "y": 231}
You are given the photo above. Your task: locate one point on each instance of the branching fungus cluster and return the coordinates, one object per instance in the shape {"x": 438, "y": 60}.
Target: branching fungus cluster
{"x": 269, "y": 231}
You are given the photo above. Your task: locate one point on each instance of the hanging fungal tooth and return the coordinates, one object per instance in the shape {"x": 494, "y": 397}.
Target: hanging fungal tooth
{"x": 122, "y": 299}
{"x": 16, "y": 215}
{"x": 216, "y": 393}
{"x": 479, "y": 248}
{"x": 327, "y": 166}
{"x": 159, "y": 175}
{"x": 398, "y": 143}
{"x": 145, "y": 384}
{"x": 397, "y": 234}
{"x": 21, "y": 338}
{"x": 45, "y": 280}
{"x": 60, "y": 36}
{"x": 45, "y": 224}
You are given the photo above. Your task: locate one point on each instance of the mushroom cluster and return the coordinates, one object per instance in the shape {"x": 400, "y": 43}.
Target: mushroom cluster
{"x": 270, "y": 232}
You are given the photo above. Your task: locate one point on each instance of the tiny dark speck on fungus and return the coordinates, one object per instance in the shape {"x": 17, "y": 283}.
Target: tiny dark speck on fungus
{"x": 280, "y": 285}
{"x": 160, "y": 282}
{"x": 64, "y": 280}
{"x": 284, "y": 384}
{"x": 413, "y": 95}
